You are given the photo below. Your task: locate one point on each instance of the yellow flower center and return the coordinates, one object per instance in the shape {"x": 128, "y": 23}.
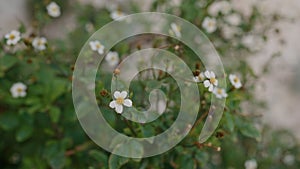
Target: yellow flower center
{"x": 213, "y": 80}
{"x": 40, "y": 43}
{"x": 19, "y": 90}
{"x": 219, "y": 91}
{"x": 236, "y": 80}
{"x": 120, "y": 100}
{"x": 11, "y": 36}
{"x": 98, "y": 46}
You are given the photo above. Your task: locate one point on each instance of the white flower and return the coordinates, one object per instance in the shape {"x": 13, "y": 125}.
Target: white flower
{"x": 251, "y": 164}
{"x": 229, "y": 32}
{"x": 97, "y": 46}
{"x": 289, "y": 159}
{"x": 18, "y": 90}
{"x": 233, "y": 19}
{"x": 115, "y": 15}
{"x": 223, "y": 7}
{"x": 252, "y": 42}
{"x": 112, "y": 58}
{"x": 211, "y": 82}
{"x": 175, "y": 30}
{"x": 220, "y": 93}
{"x": 53, "y": 10}
{"x": 39, "y": 43}
{"x": 209, "y": 24}
{"x": 235, "y": 81}
{"x": 199, "y": 78}
{"x": 13, "y": 37}
{"x": 119, "y": 101}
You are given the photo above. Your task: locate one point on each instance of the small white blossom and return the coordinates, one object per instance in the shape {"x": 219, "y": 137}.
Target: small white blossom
{"x": 115, "y": 15}
{"x": 251, "y": 164}
{"x": 39, "y": 43}
{"x": 53, "y": 10}
{"x": 229, "y": 32}
{"x": 97, "y": 46}
{"x": 112, "y": 58}
{"x": 233, "y": 19}
{"x": 220, "y": 93}
{"x": 199, "y": 78}
{"x": 18, "y": 90}
{"x": 119, "y": 101}
{"x": 252, "y": 42}
{"x": 223, "y": 7}
{"x": 211, "y": 82}
{"x": 209, "y": 24}
{"x": 175, "y": 30}
{"x": 289, "y": 160}
{"x": 13, "y": 37}
{"x": 235, "y": 81}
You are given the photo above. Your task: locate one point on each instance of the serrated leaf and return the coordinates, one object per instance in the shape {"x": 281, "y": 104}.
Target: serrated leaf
{"x": 116, "y": 162}
{"x": 54, "y": 153}
{"x": 247, "y": 129}
{"x": 54, "y": 114}
{"x": 250, "y": 131}
{"x": 99, "y": 156}
{"x": 23, "y": 133}
{"x": 7, "y": 61}
{"x": 229, "y": 121}
{"x": 9, "y": 121}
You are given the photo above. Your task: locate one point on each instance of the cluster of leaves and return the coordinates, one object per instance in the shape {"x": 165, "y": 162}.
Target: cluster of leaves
{"x": 41, "y": 130}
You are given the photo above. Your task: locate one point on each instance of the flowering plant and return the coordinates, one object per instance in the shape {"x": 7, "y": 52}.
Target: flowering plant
{"x": 39, "y": 128}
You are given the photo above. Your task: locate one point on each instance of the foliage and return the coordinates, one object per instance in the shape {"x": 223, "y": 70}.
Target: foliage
{"x": 41, "y": 130}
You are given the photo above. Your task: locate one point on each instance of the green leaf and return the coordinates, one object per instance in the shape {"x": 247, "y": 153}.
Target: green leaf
{"x": 24, "y": 133}
{"x": 54, "y": 114}
{"x": 22, "y": 28}
{"x": 186, "y": 161}
{"x": 116, "y": 162}
{"x": 250, "y": 131}
{"x": 99, "y": 156}
{"x": 57, "y": 88}
{"x": 247, "y": 129}
{"x": 9, "y": 121}
{"x": 6, "y": 62}
{"x": 229, "y": 121}
{"x": 54, "y": 153}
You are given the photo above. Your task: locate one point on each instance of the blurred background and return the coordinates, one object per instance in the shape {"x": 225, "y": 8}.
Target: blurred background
{"x": 280, "y": 87}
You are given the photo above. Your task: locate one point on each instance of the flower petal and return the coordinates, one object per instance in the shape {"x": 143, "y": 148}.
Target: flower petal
{"x": 216, "y": 82}
{"x": 206, "y": 83}
{"x": 119, "y": 108}
{"x": 231, "y": 76}
{"x": 212, "y": 74}
{"x": 123, "y": 94}
{"x": 196, "y": 79}
{"x": 100, "y": 51}
{"x": 207, "y": 74}
{"x": 112, "y": 104}
{"x": 127, "y": 102}
{"x": 117, "y": 94}
{"x": 211, "y": 88}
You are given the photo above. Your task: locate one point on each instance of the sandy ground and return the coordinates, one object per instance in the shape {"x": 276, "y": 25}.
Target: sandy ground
{"x": 280, "y": 88}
